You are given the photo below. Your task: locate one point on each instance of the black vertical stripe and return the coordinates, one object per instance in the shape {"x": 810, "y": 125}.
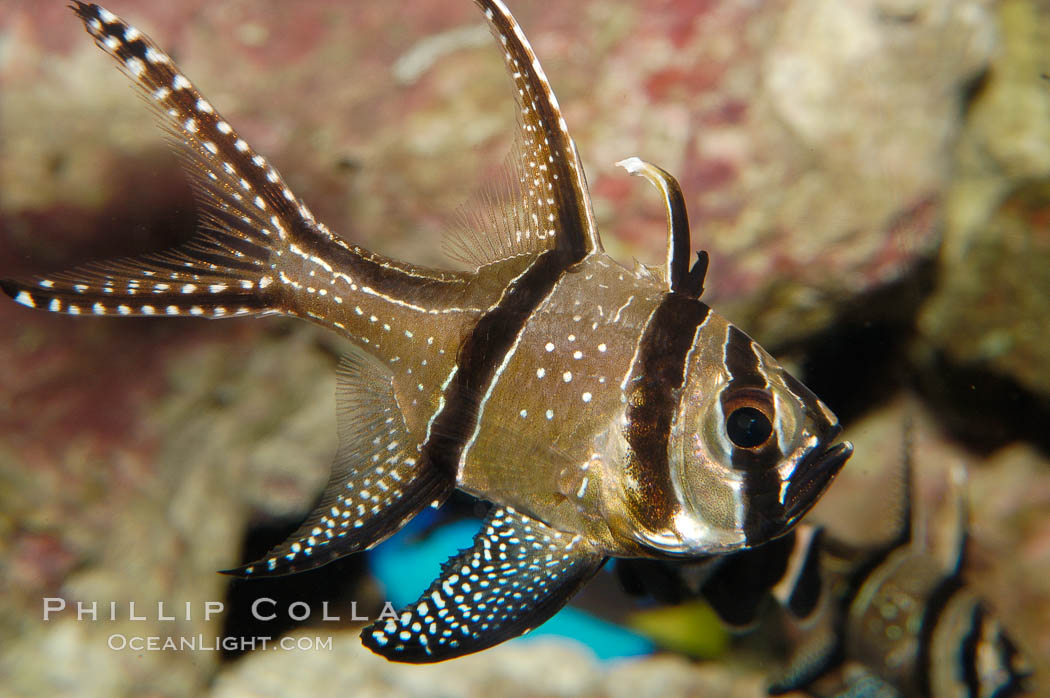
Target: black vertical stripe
{"x": 652, "y": 399}
{"x": 764, "y": 514}
{"x": 742, "y": 361}
{"x": 808, "y": 587}
{"x": 1001, "y": 680}
{"x": 484, "y": 350}
{"x": 1013, "y": 665}
{"x": 745, "y": 373}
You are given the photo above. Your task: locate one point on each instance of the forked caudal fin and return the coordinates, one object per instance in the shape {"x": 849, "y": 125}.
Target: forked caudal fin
{"x": 248, "y": 216}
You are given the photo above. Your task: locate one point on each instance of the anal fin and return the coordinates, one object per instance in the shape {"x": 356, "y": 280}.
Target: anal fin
{"x": 378, "y": 480}
{"x": 518, "y": 573}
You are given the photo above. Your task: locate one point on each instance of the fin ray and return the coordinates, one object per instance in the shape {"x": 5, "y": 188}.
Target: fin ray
{"x": 223, "y": 167}
{"x": 192, "y": 279}
{"x": 499, "y": 220}
{"x": 378, "y": 481}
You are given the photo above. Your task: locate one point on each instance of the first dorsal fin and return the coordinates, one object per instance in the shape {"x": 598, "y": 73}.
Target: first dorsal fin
{"x": 680, "y": 277}
{"x": 518, "y": 573}
{"x": 378, "y": 480}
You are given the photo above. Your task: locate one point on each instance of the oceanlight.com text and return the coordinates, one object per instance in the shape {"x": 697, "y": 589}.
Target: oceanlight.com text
{"x": 199, "y": 643}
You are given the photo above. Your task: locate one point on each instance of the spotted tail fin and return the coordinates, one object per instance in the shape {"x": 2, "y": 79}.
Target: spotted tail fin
{"x": 248, "y": 216}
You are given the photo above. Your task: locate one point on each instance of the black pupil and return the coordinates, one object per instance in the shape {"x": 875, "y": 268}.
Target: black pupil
{"x": 747, "y": 427}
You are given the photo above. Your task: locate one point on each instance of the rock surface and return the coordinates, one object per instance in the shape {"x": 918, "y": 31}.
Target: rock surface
{"x": 534, "y": 669}
{"x": 149, "y": 511}
{"x": 990, "y": 306}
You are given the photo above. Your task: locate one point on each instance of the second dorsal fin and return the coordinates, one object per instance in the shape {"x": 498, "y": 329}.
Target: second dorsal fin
{"x": 539, "y": 200}
{"x": 500, "y": 220}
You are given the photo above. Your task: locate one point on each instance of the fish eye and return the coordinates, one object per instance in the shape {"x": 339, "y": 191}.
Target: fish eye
{"x": 747, "y": 427}
{"x": 749, "y": 421}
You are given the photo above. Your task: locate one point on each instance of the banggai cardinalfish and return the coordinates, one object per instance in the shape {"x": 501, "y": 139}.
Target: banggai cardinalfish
{"x": 605, "y": 412}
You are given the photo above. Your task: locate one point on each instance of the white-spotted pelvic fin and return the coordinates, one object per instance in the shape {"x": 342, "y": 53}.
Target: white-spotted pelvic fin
{"x": 518, "y": 573}
{"x": 680, "y": 278}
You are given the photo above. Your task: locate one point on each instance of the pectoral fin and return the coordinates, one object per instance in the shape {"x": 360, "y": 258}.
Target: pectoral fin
{"x": 518, "y": 573}
{"x": 378, "y": 482}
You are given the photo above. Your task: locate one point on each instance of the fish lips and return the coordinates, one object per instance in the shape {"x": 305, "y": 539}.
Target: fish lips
{"x": 812, "y": 477}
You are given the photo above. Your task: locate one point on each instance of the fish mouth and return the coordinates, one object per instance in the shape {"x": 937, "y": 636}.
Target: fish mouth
{"x": 815, "y": 473}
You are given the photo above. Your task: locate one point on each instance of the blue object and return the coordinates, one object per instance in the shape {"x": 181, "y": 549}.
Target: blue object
{"x": 408, "y": 562}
